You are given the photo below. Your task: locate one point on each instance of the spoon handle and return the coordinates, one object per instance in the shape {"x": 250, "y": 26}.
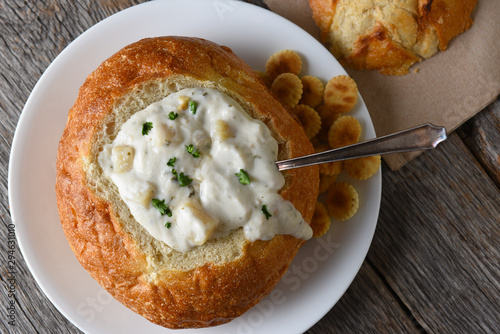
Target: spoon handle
{"x": 419, "y": 138}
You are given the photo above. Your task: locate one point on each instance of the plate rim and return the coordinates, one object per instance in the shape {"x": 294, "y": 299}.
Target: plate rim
{"x": 28, "y": 111}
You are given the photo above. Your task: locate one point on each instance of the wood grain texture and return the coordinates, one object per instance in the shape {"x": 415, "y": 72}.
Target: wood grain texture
{"x": 437, "y": 241}
{"x": 368, "y": 306}
{"x": 481, "y": 134}
{"x": 433, "y": 265}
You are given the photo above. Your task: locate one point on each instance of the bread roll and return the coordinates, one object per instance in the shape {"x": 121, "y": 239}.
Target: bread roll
{"x": 389, "y": 36}
{"x": 210, "y": 284}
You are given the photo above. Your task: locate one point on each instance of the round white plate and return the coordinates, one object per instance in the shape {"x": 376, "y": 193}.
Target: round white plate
{"x": 324, "y": 267}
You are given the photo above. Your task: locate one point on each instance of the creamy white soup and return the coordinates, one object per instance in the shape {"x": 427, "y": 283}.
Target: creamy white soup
{"x": 195, "y": 166}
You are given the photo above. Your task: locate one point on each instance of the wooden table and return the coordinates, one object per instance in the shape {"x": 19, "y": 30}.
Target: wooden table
{"x": 433, "y": 266}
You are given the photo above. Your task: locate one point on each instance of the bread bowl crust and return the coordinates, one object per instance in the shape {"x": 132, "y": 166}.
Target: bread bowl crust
{"x": 210, "y": 294}
{"x": 389, "y": 36}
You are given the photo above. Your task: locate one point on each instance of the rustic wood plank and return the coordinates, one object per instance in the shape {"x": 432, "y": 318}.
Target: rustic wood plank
{"x": 437, "y": 241}
{"x": 368, "y": 306}
{"x": 33, "y": 311}
{"x": 444, "y": 291}
{"x": 482, "y": 135}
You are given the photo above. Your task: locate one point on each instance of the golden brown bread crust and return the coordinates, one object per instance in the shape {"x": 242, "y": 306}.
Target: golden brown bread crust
{"x": 387, "y": 35}
{"x": 213, "y": 293}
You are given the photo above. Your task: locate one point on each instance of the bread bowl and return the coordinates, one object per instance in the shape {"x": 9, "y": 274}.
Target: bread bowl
{"x": 389, "y": 36}
{"x": 206, "y": 285}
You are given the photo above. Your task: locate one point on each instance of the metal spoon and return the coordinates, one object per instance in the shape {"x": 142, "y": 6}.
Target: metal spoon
{"x": 419, "y": 138}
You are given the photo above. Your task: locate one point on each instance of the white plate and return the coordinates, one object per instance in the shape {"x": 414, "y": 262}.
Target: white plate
{"x": 323, "y": 269}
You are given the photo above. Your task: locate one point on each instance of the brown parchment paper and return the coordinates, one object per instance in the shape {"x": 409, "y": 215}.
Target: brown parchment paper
{"x": 448, "y": 88}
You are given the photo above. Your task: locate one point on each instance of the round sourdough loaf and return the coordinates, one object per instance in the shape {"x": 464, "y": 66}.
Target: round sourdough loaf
{"x": 212, "y": 283}
{"x": 389, "y": 35}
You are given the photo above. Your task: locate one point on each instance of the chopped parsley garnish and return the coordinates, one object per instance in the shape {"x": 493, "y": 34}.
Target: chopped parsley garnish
{"x": 146, "y": 127}
{"x": 192, "y": 107}
{"x": 162, "y": 207}
{"x": 244, "y": 178}
{"x": 171, "y": 162}
{"x": 173, "y": 115}
{"x": 266, "y": 213}
{"x": 191, "y": 150}
{"x": 184, "y": 180}
{"x": 168, "y": 224}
